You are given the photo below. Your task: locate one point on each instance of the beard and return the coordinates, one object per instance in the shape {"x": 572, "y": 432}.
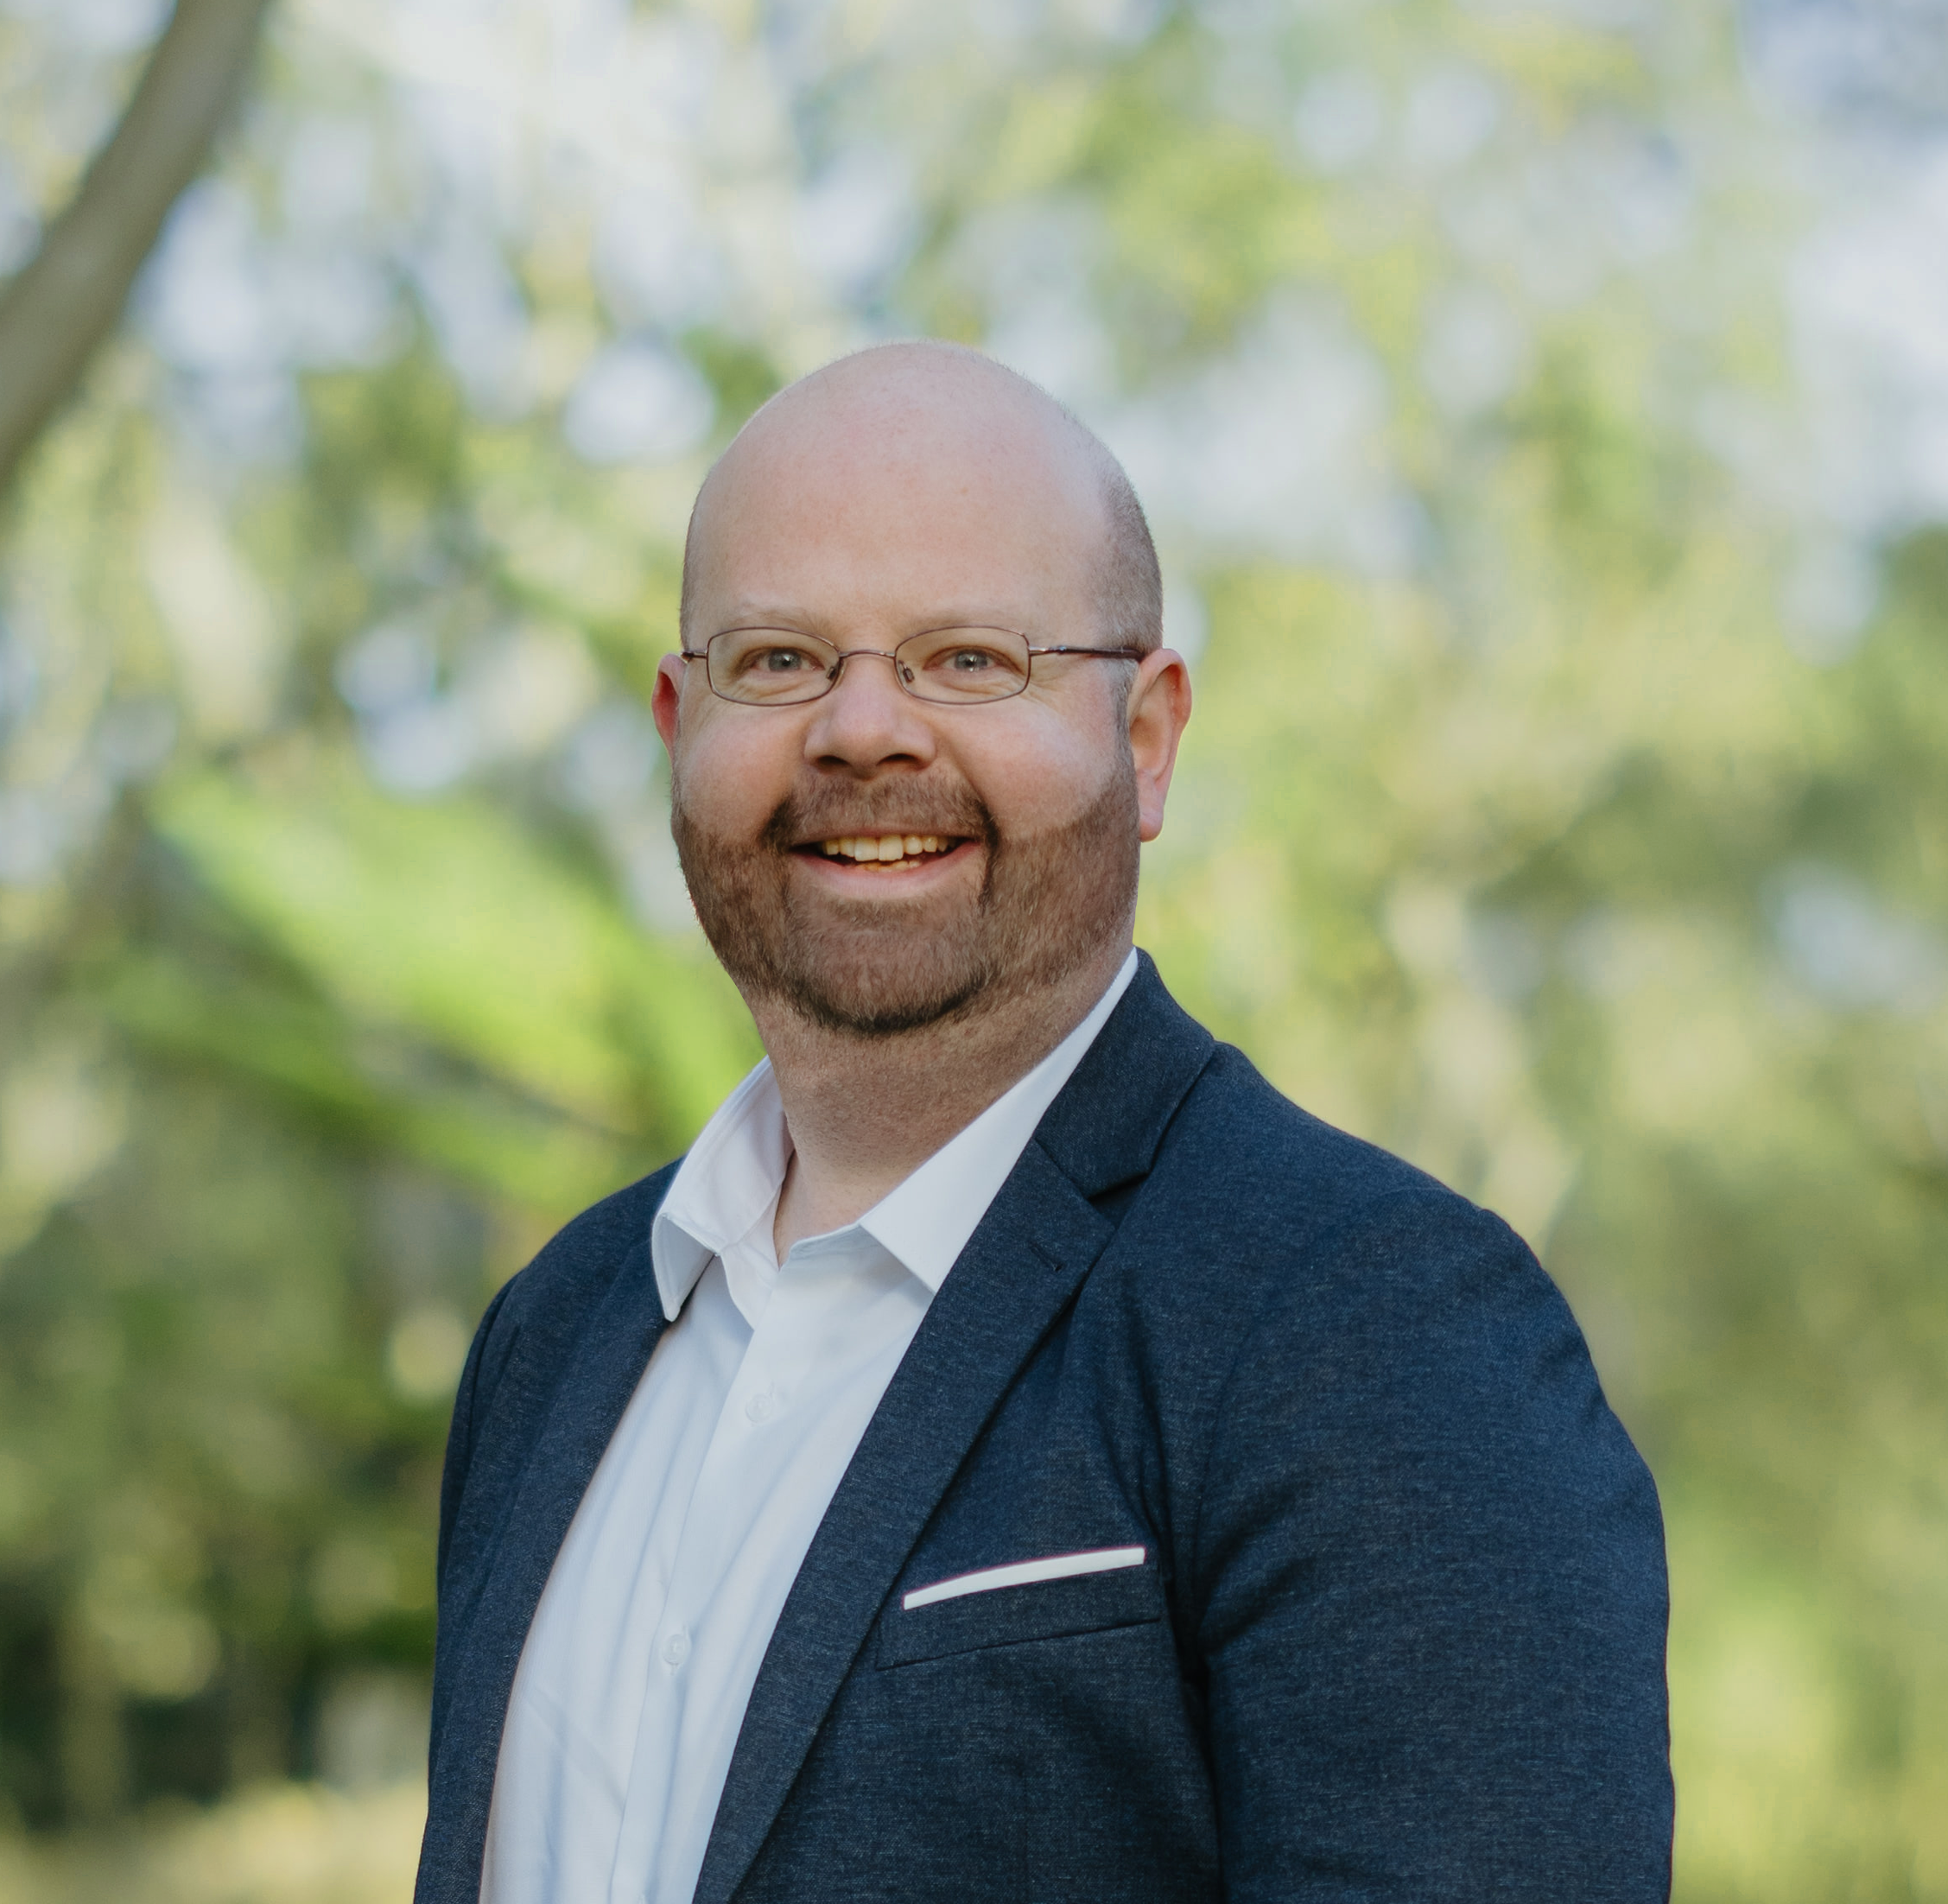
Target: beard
{"x": 876, "y": 966}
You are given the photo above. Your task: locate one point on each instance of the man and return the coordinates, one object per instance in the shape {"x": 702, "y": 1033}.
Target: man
{"x": 1016, "y": 1454}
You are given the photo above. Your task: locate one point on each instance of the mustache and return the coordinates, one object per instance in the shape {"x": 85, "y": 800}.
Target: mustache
{"x": 827, "y": 812}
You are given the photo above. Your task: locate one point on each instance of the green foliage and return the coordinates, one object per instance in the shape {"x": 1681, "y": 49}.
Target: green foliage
{"x": 1526, "y": 845}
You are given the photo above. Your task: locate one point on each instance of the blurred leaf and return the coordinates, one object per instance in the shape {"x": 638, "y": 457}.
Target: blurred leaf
{"x": 442, "y": 919}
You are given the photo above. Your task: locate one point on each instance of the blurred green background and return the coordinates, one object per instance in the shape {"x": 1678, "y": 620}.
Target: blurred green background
{"x": 1542, "y": 411}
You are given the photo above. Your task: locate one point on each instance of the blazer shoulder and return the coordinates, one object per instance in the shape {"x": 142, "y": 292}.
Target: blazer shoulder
{"x": 573, "y": 1268}
{"x": 1354, "y": 1280}
{"x": 540, "y": 1311}
{"x": 1324, "y": 1249}
{"x": 531, "y": 1327}
{"x": 1373, "y": 1306}
{"x": 1271, "y": 1166}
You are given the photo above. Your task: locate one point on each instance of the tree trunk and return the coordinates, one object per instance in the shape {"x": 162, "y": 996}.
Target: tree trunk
{"x": 67, "y": 298}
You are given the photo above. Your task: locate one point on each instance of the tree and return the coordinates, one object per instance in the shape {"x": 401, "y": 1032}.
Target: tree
{"x": 56, "y": 311}
{"x": 1563, "y": 805}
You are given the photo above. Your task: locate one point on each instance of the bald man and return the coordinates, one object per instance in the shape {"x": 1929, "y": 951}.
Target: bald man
{"x": 1016, "y": 1454}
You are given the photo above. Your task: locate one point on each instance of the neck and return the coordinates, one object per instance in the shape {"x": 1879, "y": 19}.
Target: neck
{"x": 864, "y": 1113}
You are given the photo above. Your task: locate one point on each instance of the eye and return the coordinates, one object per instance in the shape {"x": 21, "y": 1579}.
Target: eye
{"x": 770, "y": 664}
{"x": 965, "y": 663}
{"x": 771, "y": 658}
{"x": 965, "y": 660}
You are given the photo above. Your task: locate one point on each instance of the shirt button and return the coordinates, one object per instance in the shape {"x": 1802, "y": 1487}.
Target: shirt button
{"x": 759, "y": 1408}
{"x": 676, "y": 1648}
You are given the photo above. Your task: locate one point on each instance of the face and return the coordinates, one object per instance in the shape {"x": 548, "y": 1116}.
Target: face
{"x": 869, "y": 860}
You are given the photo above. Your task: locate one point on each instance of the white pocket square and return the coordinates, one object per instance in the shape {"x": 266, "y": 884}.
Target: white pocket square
{"x": 1022, "y": 1573}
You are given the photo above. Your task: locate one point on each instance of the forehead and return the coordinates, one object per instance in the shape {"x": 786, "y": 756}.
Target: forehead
{"x": 942, "y": 497}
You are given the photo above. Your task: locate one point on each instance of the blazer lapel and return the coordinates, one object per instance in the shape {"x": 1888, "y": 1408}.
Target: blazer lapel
{"x": 1032, "y": 1250}
{"x": 606, "y": 1364}
{"x": 1033, "y": 1247}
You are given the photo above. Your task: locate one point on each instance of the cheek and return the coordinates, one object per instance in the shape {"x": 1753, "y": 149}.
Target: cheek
{"x": 728, "y": 771}
{"x": 1038, "y": 777}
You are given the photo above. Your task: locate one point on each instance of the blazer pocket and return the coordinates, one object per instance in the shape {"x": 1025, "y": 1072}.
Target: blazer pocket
{"x": 1005, "y": 1616}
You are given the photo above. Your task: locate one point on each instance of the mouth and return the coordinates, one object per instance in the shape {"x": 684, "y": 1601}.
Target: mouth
{"x": 886, "y": 852}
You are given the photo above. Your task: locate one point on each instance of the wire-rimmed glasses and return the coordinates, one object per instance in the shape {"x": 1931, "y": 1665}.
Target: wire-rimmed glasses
{"x": 783, "y": 667}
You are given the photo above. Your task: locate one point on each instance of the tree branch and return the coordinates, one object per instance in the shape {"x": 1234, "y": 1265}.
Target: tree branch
{"x": 69, "y": 295}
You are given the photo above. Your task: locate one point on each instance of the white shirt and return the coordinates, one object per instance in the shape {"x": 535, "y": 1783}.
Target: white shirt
{"x": 632, "y": 1685}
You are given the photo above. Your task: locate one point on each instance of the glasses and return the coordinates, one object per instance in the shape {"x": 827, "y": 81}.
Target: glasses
{"x": 781, "y": 668}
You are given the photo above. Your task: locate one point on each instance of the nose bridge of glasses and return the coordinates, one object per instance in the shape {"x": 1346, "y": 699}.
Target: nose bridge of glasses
{"x": 902, "y": 673}
{"x": 841, "y": 655}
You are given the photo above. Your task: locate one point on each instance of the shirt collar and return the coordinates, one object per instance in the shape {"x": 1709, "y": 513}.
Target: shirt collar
{"x": 731, "y": 1175}
{"x": 730, "y": 1178}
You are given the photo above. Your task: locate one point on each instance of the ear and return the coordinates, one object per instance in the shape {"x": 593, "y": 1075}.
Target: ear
{"x": 666, "y": 699}
{"x": 1159, "y": 709}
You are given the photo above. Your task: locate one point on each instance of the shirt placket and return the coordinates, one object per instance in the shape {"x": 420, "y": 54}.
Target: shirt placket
{"x": 705, "y": 1548}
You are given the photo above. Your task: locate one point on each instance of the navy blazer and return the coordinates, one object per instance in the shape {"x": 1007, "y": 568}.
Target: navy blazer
{"x": 1399, "y": 1630}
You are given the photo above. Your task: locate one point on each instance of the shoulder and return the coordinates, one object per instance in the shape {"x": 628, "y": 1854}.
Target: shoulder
{"x": 584, "y": 1253}
{"x": 1361, "y": 1305}
{"x": 543, "y": 1306}
{"x": 524, "y": 1342}
{"x": 1245, "y": 1167}
{"x": 1403, "y": 1352}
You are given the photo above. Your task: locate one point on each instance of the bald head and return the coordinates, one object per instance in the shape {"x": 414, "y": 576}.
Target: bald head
{"x": 876, "y": 840}
{"x": 935, "y": 427}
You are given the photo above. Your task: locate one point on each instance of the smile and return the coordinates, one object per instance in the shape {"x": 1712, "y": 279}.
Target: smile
{"x": 888, "y": 848}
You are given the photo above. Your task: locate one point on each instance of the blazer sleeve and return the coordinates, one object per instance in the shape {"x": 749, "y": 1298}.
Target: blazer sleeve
{"x": 488, "y": 1345}
{"x": 1431, "y": 1589}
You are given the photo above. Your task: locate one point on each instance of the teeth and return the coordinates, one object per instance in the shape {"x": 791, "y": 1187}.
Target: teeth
{"x": 879, "y": 847}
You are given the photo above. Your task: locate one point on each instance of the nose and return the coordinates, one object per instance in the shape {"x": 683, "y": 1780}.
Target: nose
{"x": 868, "y": 722}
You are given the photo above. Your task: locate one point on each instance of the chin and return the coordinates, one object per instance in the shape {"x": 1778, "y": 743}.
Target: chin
{"x": 1047, "y": 903}
{"x": 879, "y": 984}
